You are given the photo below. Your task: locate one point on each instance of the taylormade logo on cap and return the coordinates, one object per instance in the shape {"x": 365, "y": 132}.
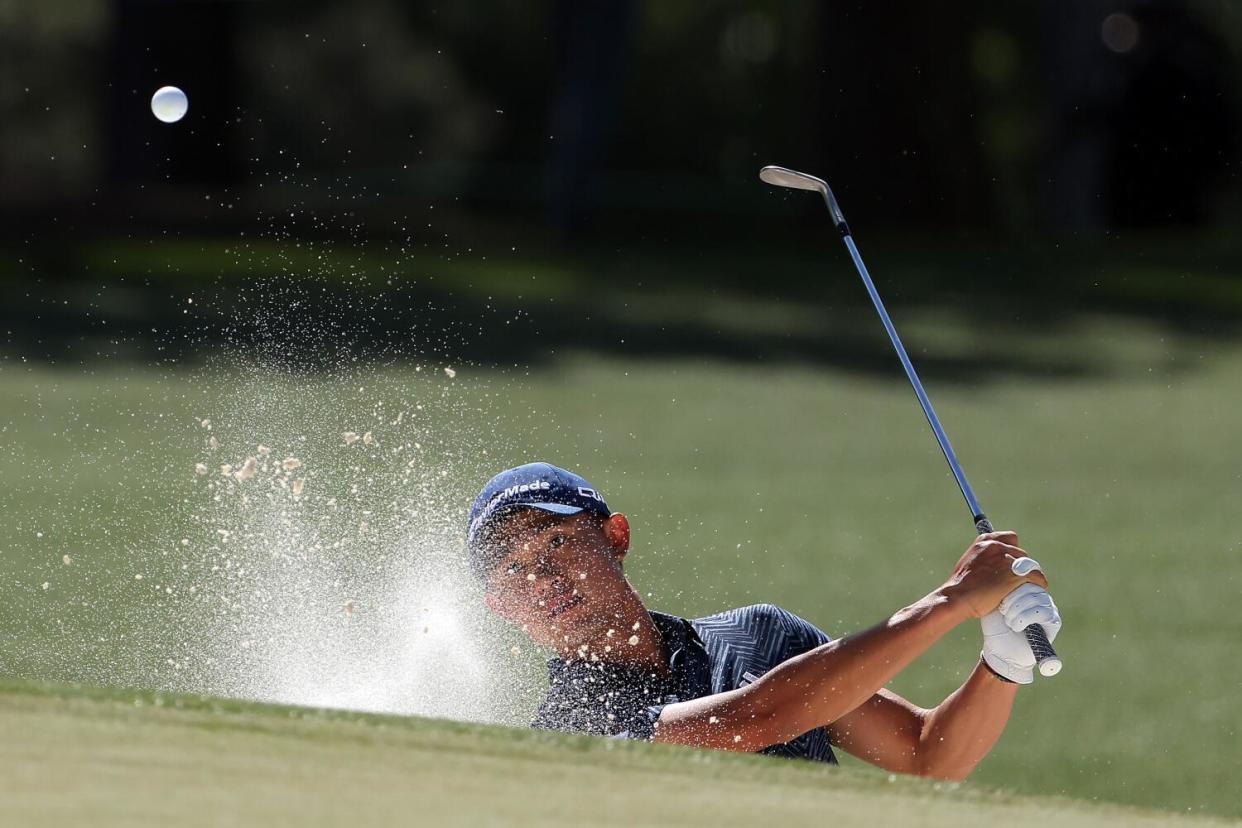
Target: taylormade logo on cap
{"x": 537, "y": 486}
{"x": 507, "y": 494}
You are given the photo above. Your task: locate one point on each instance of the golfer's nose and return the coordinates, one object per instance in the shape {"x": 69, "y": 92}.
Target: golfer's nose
{"x": 546, "y": 567}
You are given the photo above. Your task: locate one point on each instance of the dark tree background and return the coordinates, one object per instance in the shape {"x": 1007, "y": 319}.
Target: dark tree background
{"x": 1068, "y": 114}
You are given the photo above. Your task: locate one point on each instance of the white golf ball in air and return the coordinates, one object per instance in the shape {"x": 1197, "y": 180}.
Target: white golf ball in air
{"x": 169, "y": 104}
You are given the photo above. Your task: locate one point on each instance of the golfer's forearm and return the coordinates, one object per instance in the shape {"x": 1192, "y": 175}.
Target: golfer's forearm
{"x": 832, "y": 680}
{"x": 961, "y": 730}
{"x": 813, "y": 689}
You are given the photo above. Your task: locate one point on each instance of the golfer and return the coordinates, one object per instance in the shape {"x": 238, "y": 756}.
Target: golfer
{"x": 550, "y": 554}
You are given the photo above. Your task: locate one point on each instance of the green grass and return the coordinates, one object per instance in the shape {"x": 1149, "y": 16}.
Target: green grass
{"x": 77, "y": 755}
{"x": 813, "y": 488}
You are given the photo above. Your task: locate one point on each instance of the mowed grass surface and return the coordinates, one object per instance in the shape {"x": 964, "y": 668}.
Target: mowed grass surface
{"x": 813, "y": 488}
{"x": 124, "y": 758}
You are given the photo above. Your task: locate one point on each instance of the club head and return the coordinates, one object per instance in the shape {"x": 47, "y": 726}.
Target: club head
{"x": 783, "y": 177}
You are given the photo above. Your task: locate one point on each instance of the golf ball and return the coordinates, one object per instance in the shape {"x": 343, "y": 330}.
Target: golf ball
{"x": 169, "y": 104}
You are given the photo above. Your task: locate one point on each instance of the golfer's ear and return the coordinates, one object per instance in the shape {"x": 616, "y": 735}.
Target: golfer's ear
{"x": 617, "y": 530}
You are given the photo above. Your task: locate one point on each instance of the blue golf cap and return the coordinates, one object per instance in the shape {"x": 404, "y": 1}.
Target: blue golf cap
{"x": 534, "y": 485}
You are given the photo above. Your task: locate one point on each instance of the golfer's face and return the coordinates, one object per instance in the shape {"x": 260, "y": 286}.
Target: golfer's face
{"x": 556, "y": 578}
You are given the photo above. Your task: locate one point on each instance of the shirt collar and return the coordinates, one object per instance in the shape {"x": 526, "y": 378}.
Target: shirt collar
{"x": 688, "y": 671}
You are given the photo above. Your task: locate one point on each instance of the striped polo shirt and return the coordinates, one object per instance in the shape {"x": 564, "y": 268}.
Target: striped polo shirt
{"x": 705, "y": 656}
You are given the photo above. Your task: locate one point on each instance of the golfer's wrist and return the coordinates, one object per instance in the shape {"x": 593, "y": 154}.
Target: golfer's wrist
{"x": 948, "y": 601}
{"x": 988, "y": 669}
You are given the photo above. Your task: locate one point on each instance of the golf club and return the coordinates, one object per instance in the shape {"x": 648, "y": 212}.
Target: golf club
{"x": 1045, "y": 656}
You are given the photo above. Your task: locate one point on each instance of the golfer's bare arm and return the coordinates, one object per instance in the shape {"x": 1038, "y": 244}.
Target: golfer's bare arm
{"x": 810, "y": 690}
{"x": 827, "y": 686}
{"x": 945, "y": 742}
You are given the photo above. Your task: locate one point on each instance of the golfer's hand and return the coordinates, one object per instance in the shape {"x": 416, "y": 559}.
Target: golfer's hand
{"x": 985, "y": 574}
{"x": 1005, "y": 648}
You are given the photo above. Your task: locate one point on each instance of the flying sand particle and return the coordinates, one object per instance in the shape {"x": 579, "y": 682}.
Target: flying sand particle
{"x": 200, "y": 468}
{"x": 350, "y": 437}
{"x": 247, "y": 470}
{"x": 350, "y": 606}
{"x": 264, "y": 451}
{"x": 633, "y": 640}
{"x": 66, "y": 560}
{"x": 291, "y": 463}
{"x": 205, "y": 423}
{"x": 227, "y": 470}
{"x": 45, "y": 586}
{"x": 213, "y": 443}
{"x": 450, "y": 373}
{"x": 367, "y": 439}
{"x": 297, "y": 486}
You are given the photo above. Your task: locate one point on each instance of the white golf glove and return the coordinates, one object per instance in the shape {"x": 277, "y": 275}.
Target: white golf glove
{"x": 1004, "y": 645}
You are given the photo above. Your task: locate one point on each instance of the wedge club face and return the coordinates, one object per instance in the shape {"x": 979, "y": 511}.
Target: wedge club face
{"x": 794, "y": 180}
{"x": 785, "y": 177}
{"x": 1045, "y": 656}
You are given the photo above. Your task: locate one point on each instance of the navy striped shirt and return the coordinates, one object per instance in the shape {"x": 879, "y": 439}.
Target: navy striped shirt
{"x": 707, "y": 655}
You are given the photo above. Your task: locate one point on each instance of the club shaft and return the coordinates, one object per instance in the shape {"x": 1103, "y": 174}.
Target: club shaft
{"x": 1045, "y": 656}
{"x": 943, "y": 439}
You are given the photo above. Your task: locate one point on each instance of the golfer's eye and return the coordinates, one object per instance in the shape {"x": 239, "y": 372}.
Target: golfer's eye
{"x": 514, "y": 568}
{"x": 556, "y": 542}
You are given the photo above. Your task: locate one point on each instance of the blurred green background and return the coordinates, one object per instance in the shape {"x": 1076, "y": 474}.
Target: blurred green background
{"x": 558, "y": 202}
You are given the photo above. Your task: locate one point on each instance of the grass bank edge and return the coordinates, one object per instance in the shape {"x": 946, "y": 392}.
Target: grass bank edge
{"x": 438, "y": 735}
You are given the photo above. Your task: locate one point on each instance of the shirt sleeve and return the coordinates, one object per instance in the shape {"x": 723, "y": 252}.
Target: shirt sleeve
{"x": 602, "y": 700}
{"x": 802, "y": 635}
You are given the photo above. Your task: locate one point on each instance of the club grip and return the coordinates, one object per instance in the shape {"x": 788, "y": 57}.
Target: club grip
{"x": 1046, "y": 657}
